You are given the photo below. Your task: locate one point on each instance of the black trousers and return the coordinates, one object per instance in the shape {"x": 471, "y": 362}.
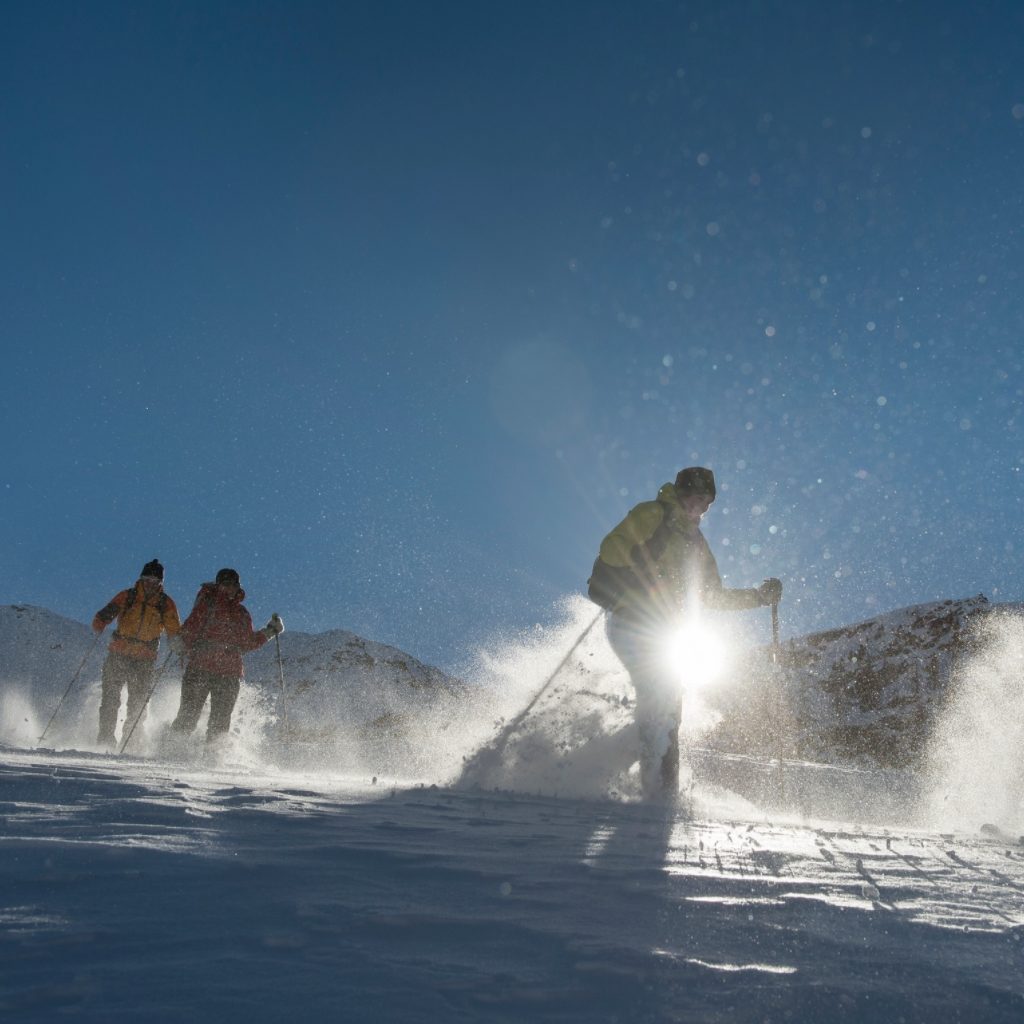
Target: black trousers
{"x": 196, "y": 686}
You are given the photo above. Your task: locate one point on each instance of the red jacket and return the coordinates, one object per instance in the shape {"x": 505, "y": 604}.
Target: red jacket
{"x": 218, "y": 631}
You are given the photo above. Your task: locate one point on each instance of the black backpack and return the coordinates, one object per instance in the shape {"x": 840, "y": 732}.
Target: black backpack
{"x": 609, "y": 584}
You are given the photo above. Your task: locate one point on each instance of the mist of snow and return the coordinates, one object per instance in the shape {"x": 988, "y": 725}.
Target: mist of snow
{"x": 975, "y": 760}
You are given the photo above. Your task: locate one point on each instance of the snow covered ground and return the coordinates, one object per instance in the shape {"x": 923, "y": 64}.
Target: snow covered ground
{"x": 148, "y": 890}
{"x": 525, "y": 882}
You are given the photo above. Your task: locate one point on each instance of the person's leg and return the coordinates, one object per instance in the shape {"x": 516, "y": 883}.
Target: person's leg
{"x": 195, "y": 688}
{"x": 140, "y": 682}
{"x": 223, "y": 695}
{"x": 112, "y": 681}
{"x": 658, "y": 705}
{"x": 657, "y": 719}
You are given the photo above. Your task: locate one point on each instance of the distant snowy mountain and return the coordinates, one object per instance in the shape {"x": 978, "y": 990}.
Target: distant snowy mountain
{"x": 40, "y": 651}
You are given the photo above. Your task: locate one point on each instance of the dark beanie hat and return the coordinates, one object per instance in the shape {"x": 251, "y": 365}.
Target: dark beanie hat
{"x": 153, "y": 569}
{"x": 227, "y": 576}
{"x": 696, "y": 480}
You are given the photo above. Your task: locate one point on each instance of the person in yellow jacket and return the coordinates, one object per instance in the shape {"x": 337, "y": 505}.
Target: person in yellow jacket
{"x": 142, "y": 612}
{"x": 653, "y": 569}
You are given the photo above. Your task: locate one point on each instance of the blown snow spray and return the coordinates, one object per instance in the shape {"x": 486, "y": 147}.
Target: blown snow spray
{"x": 974, "y": 758}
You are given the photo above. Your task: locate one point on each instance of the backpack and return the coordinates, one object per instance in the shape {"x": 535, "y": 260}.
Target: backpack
{"x": 160, "y": 606}
{"x": 609, "y": 584}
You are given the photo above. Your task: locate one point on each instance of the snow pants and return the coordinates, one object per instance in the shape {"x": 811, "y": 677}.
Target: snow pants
{"x": 120, "y": 671}
{"x": 659, "y": 703}
{"x": 198, "y": 684}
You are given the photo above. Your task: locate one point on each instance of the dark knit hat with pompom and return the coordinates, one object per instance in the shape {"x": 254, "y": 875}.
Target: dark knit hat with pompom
{"x": 154, "y": 570}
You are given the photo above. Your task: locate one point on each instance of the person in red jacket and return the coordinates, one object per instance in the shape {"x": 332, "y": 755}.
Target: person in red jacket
{"x": 217, "y": 632}
{"x": 143, "y": 612}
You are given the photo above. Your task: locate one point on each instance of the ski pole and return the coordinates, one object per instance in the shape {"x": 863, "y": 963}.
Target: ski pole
{"x": 74, "y": 679}
{"x": 775, "y": 632}
{"x": 280, "y": 672}
{"x": 149, "y": 696}
{"x": 778, "y": 695}
{"x": 497, "y": 745}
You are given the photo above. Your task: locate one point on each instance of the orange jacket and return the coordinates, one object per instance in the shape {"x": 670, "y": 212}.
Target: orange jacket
{"x": 139, "y": 621}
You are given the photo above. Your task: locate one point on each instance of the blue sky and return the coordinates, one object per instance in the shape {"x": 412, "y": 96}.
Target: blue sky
{"x": 399, "y": 307}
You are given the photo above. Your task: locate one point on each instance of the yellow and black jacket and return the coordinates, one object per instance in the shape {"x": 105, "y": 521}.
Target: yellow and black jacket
{"x": 656, "y": 563}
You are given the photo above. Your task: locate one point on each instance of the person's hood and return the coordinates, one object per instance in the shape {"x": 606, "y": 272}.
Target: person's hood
{"x": 668, "y": 498}
{"x": 214, "y": 589}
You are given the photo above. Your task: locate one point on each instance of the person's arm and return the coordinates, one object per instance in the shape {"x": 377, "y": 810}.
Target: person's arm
{"x": 716, "y": 595}
{"x": 249, "y": 639}
{"x": 195, "y": 623}
{"x": 169, "y": 618}
{"x": 109, "y": 612}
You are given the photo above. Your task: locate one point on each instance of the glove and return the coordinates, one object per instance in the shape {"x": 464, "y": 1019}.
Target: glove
{"x": 275, "y": 627}
{"x": 771, "y": 591}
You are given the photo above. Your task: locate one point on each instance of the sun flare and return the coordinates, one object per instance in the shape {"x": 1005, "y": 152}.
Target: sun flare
{"x": 696, "y": 653}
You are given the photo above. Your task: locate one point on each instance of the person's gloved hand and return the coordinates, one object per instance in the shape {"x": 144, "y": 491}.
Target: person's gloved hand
{"x": 771, "y": 591}
{"x": 275, "y": 627}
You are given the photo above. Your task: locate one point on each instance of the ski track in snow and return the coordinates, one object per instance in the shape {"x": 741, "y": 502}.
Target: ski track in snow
{"x": 178, "y": 892}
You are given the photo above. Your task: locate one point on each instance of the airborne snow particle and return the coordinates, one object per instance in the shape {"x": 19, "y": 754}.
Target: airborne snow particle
{"x": 1018, "y": 111}
{"x": 770, "y": 331}
{"x": 713, "y": 228}
{"x": 882, "y": 400}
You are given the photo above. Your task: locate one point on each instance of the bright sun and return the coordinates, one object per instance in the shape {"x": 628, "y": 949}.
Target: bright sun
{"x": 696, "y": 653}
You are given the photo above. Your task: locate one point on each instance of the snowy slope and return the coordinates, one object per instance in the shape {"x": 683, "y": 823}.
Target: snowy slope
{"x": 147, "y": 891}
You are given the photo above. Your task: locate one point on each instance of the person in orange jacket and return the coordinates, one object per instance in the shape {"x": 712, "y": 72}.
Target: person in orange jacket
{"x": 142, "y": 613}
{"x": 217, "y": 632}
